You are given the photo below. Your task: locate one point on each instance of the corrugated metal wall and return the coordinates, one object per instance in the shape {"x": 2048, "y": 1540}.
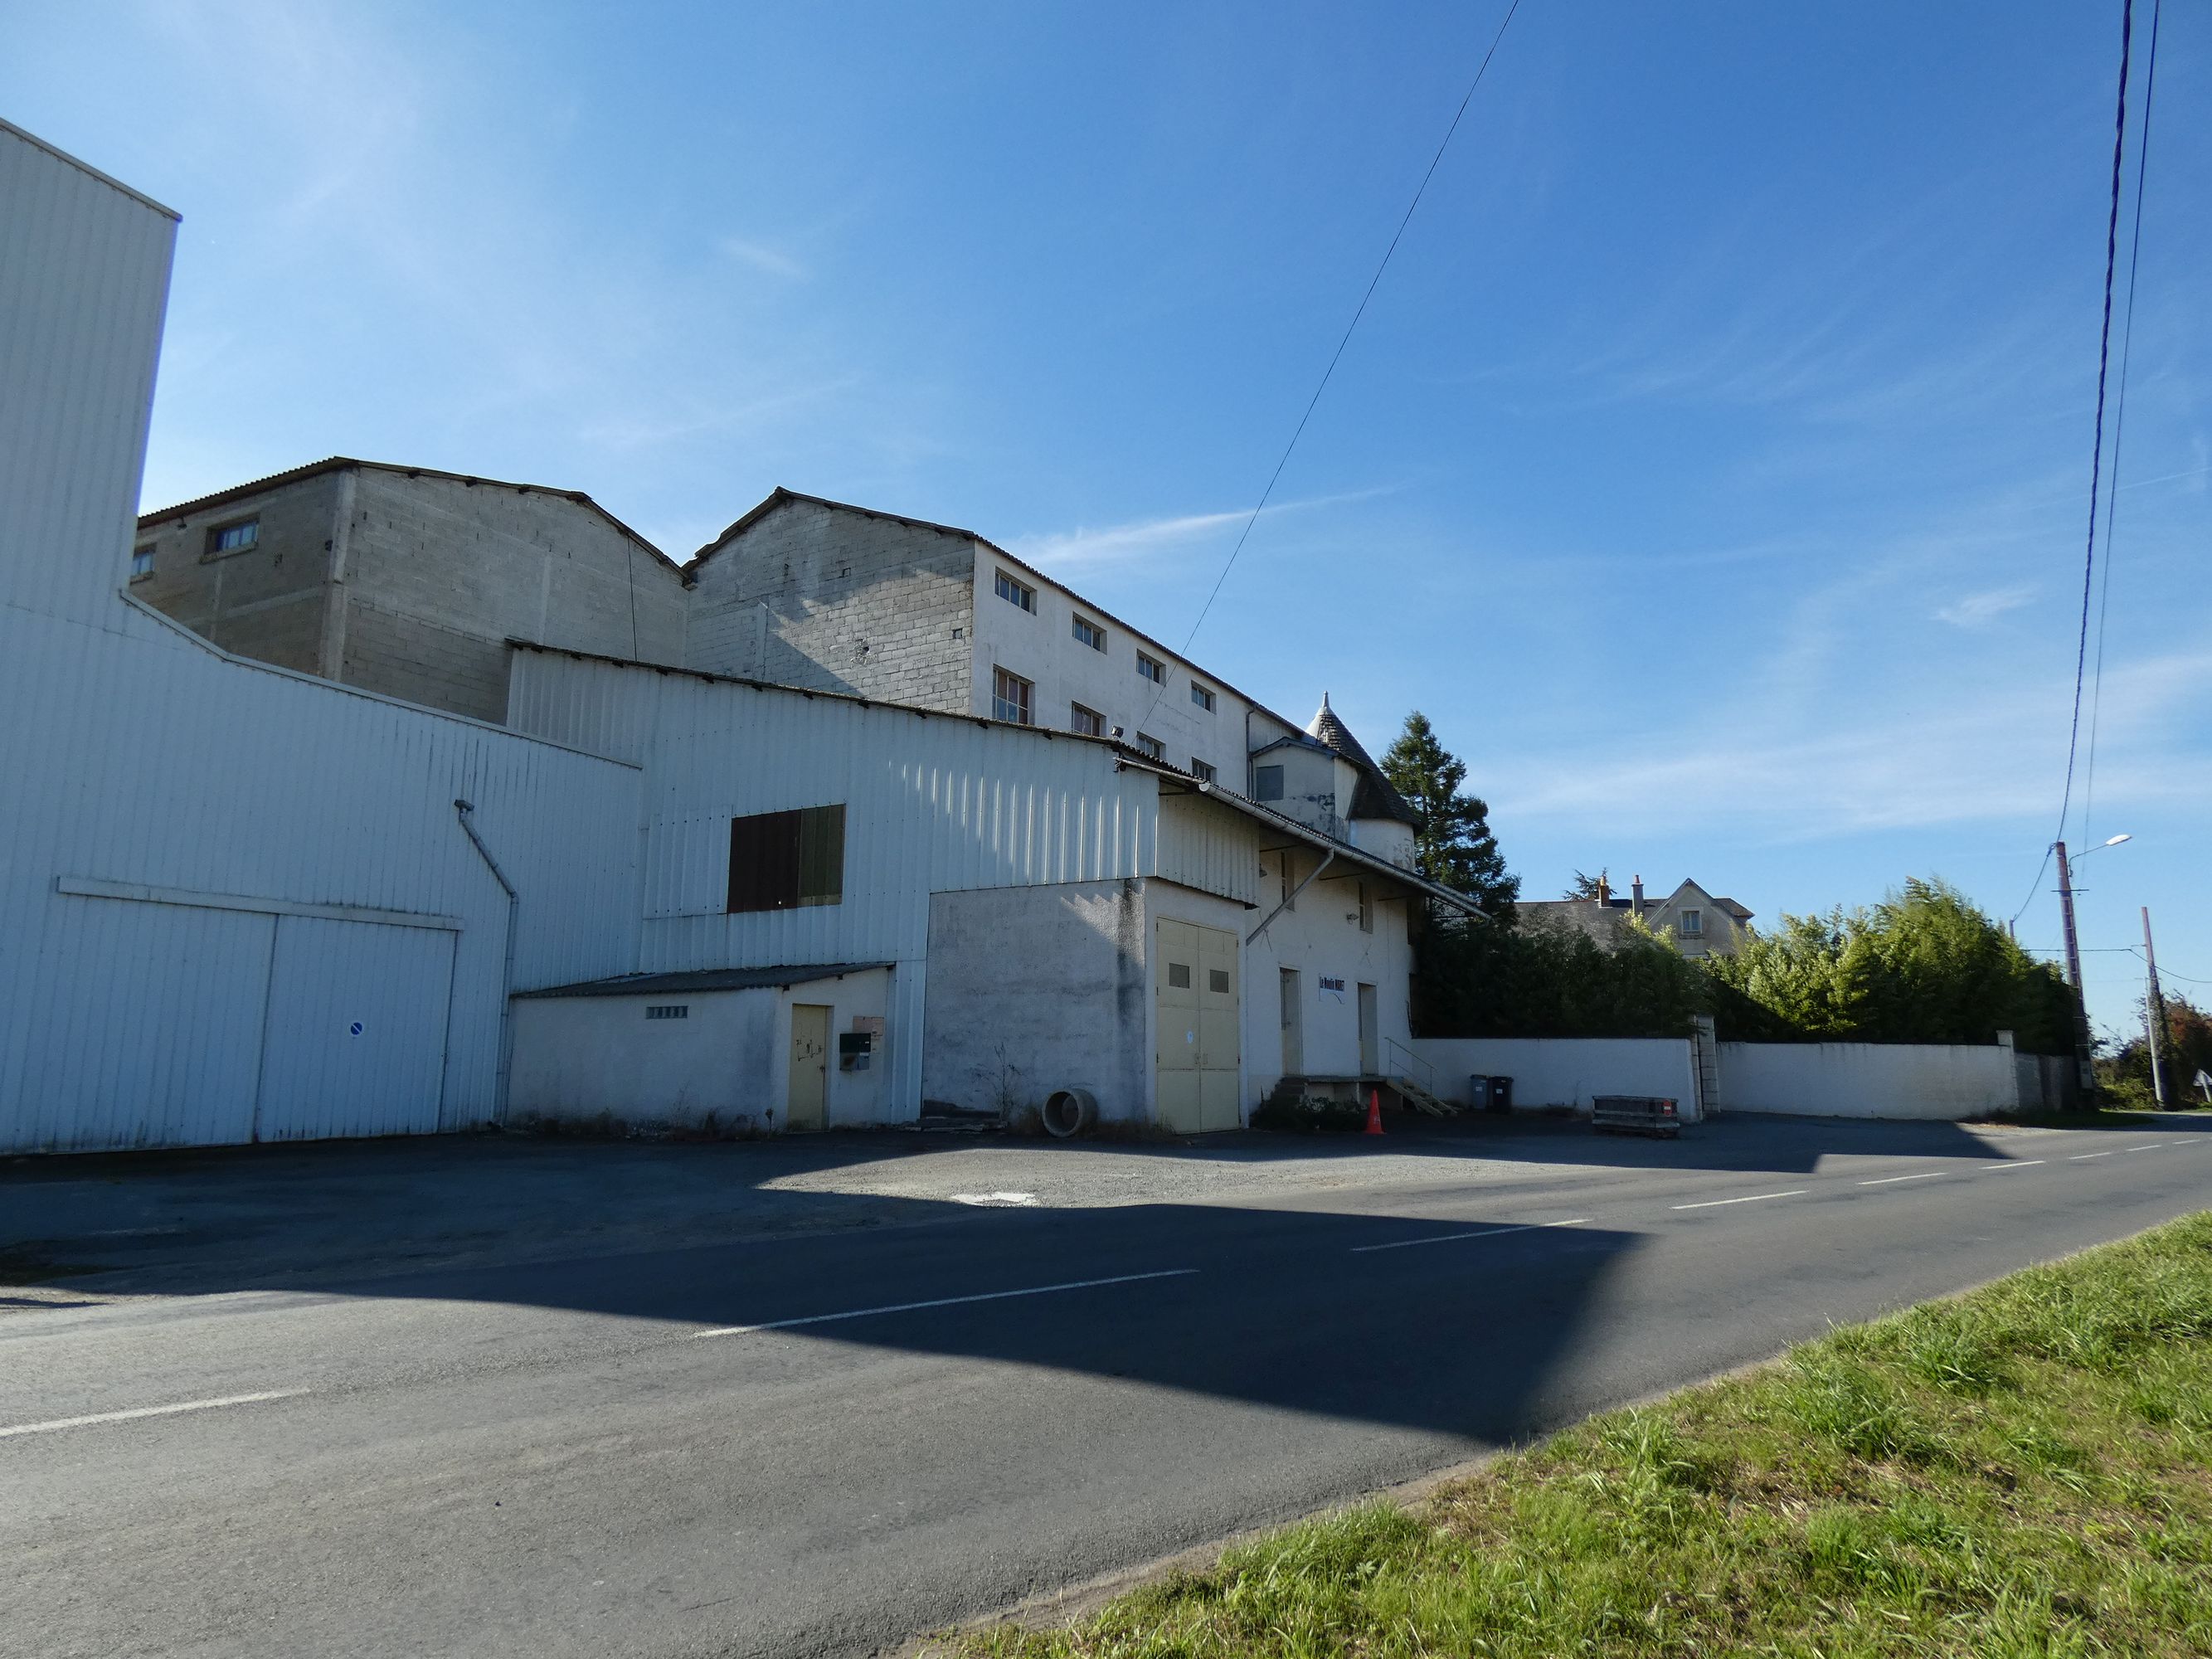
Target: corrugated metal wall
{"x": 934, "y": 804}
{"x": 84, "y": 274}
{"x": 133, "y": 752}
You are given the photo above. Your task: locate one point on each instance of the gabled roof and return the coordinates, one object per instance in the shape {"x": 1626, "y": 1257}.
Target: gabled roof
{"x": 1372, "y": 796}
{"x": 340, "y": 463}
{"x": 782, "y": 498}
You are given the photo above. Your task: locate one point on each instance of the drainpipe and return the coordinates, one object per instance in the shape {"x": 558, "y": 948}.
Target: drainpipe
{"x": 463, "y": 809}
{"x": 1290, "y": 899}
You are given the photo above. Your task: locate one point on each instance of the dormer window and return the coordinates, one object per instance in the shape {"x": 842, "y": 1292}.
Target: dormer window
{"x": 1266, "y": 783}
{"x": 1691, "y": 924}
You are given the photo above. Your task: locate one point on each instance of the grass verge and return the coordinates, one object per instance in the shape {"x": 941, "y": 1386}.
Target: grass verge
{"x": 2026, "y": 1470}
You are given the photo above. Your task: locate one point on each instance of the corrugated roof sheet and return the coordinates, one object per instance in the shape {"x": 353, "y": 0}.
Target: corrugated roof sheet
{"x": 708, "y": 979}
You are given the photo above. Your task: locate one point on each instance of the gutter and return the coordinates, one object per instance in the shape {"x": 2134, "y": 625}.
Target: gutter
{"x": 462, "y": 810}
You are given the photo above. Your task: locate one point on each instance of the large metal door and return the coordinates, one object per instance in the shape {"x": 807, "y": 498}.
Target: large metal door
{"x": 808, "y": 1104}
{"x": 1197, "y": 1056}
{"x": 354, "y": 1040}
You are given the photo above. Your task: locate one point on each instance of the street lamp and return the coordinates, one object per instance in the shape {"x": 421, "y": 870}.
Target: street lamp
{"x": 2074, "y": 959}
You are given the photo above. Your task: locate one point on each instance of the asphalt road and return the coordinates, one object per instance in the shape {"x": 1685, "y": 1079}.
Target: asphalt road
{"x": 830, "y": 1442}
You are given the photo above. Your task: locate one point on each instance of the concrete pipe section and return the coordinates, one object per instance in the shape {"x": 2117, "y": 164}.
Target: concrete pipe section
{"x": 1069, "y": 1112}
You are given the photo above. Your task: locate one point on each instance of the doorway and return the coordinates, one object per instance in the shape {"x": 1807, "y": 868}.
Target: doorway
{"x": 1370, "y": 1056}
{"x": 1198, "y": 1055}
{"x": 1294, "y": 1039}
{"x": 808, "y": 1104}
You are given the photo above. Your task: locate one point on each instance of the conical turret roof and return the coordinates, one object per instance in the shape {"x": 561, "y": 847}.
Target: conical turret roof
{"x": 1373, "y": 797}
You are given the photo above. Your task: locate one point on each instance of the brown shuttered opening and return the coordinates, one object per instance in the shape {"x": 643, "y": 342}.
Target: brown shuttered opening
{"x": 780, "y": 861}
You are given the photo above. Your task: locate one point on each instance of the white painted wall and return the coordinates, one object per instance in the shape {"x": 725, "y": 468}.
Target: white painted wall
{"x": 1040, "y": 647}
{"x": 1869, "y": 1080}
{"x": 1320, "y": 937}
{"x": 1568, "y": 1071}
{"x": 726, "y": 1065}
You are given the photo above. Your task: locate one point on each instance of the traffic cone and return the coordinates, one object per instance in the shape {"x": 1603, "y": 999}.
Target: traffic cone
{"x": 1374, "y": 1111}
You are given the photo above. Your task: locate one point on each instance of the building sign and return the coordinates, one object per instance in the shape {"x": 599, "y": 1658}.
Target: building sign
{"x": 1332, "y": 987}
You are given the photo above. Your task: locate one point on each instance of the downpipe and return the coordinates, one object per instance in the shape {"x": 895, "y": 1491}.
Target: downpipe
{"x": 463, "y": 809}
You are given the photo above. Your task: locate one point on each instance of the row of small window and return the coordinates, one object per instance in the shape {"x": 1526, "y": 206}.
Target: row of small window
{"x": 1012, "y": 699}
{"x": 1021, "y": 595}
{"x": 224, "y": 538}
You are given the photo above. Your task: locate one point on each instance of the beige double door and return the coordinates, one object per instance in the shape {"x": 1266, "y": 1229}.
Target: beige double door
{"x": 1196, "y": 1019}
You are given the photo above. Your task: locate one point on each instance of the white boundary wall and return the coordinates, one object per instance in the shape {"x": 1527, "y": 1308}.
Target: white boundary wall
{"x": 1869, "y": 1080}
{"x": 1568, "y": 1071}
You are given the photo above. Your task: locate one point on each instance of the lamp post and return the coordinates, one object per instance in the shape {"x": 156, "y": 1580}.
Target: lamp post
{"x": 2153, "y": 1014}
{"x": 2081, "y": 1045}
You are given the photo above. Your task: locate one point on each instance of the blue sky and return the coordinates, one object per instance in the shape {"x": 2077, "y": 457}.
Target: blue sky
{"x": 1712, "y": 465}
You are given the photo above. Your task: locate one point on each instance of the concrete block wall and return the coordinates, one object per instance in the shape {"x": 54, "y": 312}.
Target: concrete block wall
{"x": 836, "y": 600}
{"x": 439, "y": 571}
{"x": 269, "y": 601}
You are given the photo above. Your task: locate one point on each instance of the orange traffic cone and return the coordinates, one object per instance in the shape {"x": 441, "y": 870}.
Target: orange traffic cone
{"x": 1374, "y": 1111}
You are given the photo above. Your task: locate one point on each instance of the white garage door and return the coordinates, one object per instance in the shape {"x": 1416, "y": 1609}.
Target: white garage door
{"x": 355, "y": 1040}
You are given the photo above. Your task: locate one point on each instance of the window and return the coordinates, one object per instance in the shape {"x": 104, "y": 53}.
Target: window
{"x": 1266, "y": 783}
{"x": 1201, "y": 696}
{"x": 142, "y": 563}
{"x": 1152, "y": 669}
{"x": 1202, "y": 770}
{"x": 1692, "y": 925}
{"x": 1178, "y": 977}
{"x": 782, "y": 860}
{"x": 1090, "y": 634}
{"x": 1366, "y": 909}
{"x": 1089, "y": 721}
{"x": 234, "y": 537}
{"x": 1152, "y": 746}
{"x": 1010, "y": 696}
{"x": 1217, "y": 981}
{"x": 668, "y": 1011}
{"x": 1016, "y": 592}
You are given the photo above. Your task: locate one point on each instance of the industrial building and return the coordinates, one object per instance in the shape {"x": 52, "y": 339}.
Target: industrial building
{"x": 252, "y": 899}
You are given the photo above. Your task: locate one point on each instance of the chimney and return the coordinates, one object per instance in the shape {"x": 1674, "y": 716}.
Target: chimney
{"x": 1604, "y": 888}
{"x": 1636, "y": 894}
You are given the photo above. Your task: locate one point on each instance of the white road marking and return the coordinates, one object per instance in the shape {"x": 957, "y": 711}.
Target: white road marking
{"x": 2152, "y": 1147}
{"x": 1887, "y": 1180}
{"x": 1453, "y": 1238}
{"x": 1751, "y": 1197}
{"x": 2078, "y": 1157}
{"x": 152, "y": 1410}
{"x": 2014, "y": 1164}
{"x": 996, "y": 1200}
{"x": 942, "y": 1301}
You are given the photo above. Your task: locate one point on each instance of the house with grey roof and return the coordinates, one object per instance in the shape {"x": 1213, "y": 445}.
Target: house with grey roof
{"x": 1695, "y": 921}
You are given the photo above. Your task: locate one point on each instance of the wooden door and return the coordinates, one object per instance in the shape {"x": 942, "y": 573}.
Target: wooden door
{"x": 808, "y": 1103}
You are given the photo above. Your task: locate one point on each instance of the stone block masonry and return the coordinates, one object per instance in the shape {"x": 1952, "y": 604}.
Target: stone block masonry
{"x": 838, "y": 600}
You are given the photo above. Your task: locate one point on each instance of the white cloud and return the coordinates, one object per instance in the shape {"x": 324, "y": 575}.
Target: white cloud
{"x": 1142, "y": 539}
{"x": 761, "y": 256}
{"x": 1976, "y": 610}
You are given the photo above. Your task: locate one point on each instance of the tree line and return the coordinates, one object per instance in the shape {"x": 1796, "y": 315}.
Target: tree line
{"x": 1923, "y": 965}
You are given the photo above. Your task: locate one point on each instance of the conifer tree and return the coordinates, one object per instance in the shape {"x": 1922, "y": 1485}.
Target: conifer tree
{"x": 1455, "y": 847}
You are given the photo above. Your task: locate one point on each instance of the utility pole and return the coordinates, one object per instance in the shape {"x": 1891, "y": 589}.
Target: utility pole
{"x": 2153, "y": 1014}
{"x": 2081, "y": 1048}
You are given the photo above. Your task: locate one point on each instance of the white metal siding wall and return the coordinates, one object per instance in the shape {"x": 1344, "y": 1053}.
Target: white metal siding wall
{"x": 150, "y": 757}
{"x": 84, "y": 274}
{"x": 933, "y": 803}
{"x": 1209, "y": 847}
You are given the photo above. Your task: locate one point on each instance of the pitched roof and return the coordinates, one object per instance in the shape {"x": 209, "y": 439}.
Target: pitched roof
{"x": 782, "y": 498}
{"x": 1372, "y": 796}
{"x": 340, "y": 463}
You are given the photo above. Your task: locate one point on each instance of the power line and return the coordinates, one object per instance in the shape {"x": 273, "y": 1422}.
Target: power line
{"x": 2096, "y": 448}
{"x": 2120, "y": 415}
{"x": 1373, "y": 283}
